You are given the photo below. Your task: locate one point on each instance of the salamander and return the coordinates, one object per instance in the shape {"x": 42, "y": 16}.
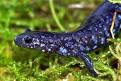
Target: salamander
{"x": 91, "y": 35}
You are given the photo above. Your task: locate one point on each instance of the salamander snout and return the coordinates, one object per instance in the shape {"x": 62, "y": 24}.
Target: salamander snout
{"x": 18, "y": 40}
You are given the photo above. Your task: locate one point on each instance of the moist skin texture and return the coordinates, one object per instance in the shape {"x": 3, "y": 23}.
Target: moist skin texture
{"x": 92, "y": 35}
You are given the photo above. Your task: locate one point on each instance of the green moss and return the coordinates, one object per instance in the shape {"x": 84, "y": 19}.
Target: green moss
{"x": 115, "y": 1}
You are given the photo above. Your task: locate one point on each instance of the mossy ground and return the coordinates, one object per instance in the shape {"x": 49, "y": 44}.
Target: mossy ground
{"x": 21, "y": 64}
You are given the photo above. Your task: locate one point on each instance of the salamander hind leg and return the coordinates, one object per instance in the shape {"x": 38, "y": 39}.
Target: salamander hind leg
{"x": 88, "y": 63}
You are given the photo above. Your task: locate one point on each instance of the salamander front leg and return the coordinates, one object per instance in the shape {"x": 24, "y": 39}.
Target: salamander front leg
{"x": 88, "y": 63}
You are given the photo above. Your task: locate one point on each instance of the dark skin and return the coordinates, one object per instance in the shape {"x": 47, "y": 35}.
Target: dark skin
{"x": 92, "y": 35}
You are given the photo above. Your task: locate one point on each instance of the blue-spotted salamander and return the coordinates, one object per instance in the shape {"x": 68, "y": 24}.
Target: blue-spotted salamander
{"x": 92, "y": 35}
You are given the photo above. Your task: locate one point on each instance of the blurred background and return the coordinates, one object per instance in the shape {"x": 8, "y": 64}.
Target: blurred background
{"x": 21, "y": 64}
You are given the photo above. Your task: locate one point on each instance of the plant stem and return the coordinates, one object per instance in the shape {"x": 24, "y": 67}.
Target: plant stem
{"x": 55, "y": 16}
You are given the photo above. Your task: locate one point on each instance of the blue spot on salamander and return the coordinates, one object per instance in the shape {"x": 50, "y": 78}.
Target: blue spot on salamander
{"x": 62, "y": 51}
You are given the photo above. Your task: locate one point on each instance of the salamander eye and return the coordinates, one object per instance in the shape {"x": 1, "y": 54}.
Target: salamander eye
{"x": 27, "y": 39}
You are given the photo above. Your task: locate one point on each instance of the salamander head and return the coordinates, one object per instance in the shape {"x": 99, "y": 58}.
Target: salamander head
{"x": 28, "y": 39}
{"x": 44, "y": 41}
